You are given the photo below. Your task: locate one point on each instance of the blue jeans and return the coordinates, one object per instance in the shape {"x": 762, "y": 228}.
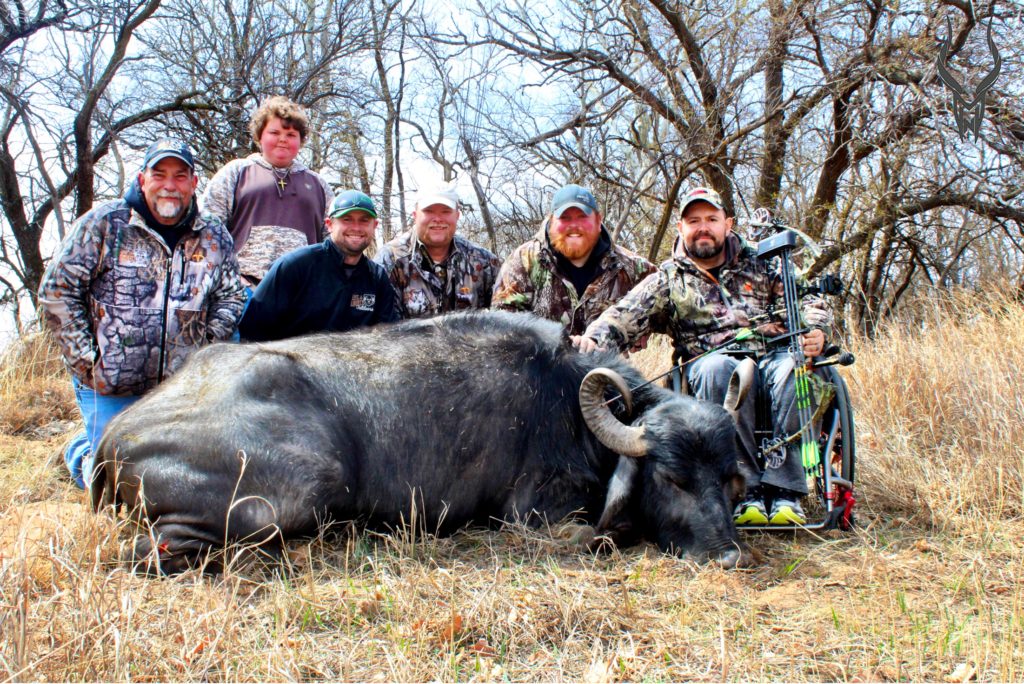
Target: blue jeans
{"x": 248, "y": 298}
{"x": 97, "y": 410}
{"x": 709, "y": 380}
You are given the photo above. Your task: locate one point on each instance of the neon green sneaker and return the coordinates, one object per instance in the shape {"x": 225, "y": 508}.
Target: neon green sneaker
{"x": 787, "y": 512}
{"x": 750, "y": 512}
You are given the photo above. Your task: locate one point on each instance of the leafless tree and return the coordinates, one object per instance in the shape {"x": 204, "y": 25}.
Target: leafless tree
{"x": 239, "y": 53}
{"x": 831, "y": 112}
{"x": 838, "y": 115}
{"x": 61, "y": 116}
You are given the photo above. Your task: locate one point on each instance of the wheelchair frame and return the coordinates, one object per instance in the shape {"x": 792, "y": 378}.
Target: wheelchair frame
{"x": 834, "y": 475}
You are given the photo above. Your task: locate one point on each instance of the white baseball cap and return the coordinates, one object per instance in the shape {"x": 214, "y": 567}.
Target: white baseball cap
{"x": 438, "y": 194}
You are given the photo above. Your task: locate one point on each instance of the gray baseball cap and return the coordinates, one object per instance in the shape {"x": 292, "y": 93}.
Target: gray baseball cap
{"x": 573, "y": 195}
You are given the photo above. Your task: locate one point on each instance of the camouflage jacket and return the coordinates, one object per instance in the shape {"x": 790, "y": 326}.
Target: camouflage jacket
{"x": 685, "y": 302}
{"x": 530, "y": 281}
{"x": 463, "y": 281}
{"x": 126, "y": 310}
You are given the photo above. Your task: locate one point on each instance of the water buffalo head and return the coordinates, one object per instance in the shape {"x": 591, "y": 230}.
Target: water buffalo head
{"x": 677, "y": 476}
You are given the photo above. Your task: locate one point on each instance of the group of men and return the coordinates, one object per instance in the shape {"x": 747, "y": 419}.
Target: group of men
{"x": 142, "y": 281}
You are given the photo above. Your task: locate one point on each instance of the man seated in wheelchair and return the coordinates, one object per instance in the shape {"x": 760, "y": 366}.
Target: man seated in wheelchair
{"x": 713, "y": 287}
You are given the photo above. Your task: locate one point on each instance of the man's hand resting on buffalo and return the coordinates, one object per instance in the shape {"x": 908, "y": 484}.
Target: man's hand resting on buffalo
{"x": 585, "y": 344}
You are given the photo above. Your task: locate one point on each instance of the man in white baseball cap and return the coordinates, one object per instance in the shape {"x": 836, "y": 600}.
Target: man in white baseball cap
{"x": 433, "y": 270}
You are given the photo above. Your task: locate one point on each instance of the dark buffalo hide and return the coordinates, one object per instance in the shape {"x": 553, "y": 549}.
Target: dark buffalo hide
{"x": 478, "y": 416}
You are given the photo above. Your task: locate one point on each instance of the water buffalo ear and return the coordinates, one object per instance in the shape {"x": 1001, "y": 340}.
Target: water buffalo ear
{"x": 735, "y": 487}
{"x": 620, "y": 487}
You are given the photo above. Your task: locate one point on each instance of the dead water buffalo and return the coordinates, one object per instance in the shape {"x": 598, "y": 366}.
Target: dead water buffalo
{"x": 481, "y": 416}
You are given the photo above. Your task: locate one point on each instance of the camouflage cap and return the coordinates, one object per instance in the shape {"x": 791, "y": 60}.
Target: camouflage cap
{"x": 701, "y": 195}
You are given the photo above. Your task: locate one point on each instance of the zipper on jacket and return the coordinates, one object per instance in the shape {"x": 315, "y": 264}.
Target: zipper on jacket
{"x": 580, "y": 298}
{"x": 181, "y": 275}
{"x": 163, "y": 319}
{"x": 167, "y": 297}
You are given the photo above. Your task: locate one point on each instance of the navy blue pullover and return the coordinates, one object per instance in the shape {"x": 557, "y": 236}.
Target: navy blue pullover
{"x": 309, "y": 291}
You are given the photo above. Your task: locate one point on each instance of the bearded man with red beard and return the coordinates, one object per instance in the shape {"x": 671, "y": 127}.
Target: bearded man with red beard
{"x": 570, "y": 271}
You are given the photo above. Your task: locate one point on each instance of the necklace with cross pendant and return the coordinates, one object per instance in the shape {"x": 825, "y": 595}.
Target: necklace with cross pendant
{"x": 282, "y": 180}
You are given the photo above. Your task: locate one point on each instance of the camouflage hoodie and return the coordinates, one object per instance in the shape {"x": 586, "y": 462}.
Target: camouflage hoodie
{"x": 463, "y": 281}
{"x": 699, "y": 312}
{"x": 530, "y": 281}
{"x": 126, "y": 310}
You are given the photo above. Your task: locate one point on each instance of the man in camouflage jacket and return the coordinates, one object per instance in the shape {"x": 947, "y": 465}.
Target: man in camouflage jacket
{"x": 137, "y": 285}
{"x": 432, "y": 269}
{"x": 714, "y": 285}
{"x": 570, "y": 271}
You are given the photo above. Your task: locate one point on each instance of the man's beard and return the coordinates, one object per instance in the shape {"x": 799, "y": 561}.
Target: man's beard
{"x": 705, "y": 251}
{"x": 577, "y": 250}
{"x": 170, "y": 209}
{"x": 353, "y": 248}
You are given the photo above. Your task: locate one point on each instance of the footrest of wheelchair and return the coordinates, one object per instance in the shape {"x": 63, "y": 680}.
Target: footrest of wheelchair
{"x": 839, "y": 519}
{"x": 781, "y": 528}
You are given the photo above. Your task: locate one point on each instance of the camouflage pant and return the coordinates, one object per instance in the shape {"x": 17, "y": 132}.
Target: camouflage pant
{"x": 709, "y": 379}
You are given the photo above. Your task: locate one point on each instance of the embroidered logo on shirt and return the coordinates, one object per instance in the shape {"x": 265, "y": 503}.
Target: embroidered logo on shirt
{"x": 363, "y": 302}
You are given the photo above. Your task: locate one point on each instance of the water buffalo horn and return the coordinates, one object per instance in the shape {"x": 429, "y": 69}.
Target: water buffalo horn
{"x": 620, "y": 438}
{"x": 739, "y": 385}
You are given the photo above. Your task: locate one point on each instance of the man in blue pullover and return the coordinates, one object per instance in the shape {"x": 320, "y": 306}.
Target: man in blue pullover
{"x": 330, "y": 286}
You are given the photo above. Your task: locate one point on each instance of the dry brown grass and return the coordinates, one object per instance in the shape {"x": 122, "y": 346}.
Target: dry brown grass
{"x": 929, "y": 588}
{"x": 34, "y": 387}
{"x": 941, "y": 412}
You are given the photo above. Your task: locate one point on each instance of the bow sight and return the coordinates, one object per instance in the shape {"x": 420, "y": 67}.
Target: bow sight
{"x": 787, "y": 238}
{"x": 828, "y": 284}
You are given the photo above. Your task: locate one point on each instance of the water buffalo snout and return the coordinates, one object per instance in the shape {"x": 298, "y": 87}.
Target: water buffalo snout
{"x": 735, "y": 558}
{"x": 729, "y": 559}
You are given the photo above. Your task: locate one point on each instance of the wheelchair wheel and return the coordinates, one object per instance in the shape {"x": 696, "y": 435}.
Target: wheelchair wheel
{"x": 838, "y": 454}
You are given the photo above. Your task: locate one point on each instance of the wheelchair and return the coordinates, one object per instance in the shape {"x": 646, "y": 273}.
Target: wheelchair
{"x": 831, "y": 494}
